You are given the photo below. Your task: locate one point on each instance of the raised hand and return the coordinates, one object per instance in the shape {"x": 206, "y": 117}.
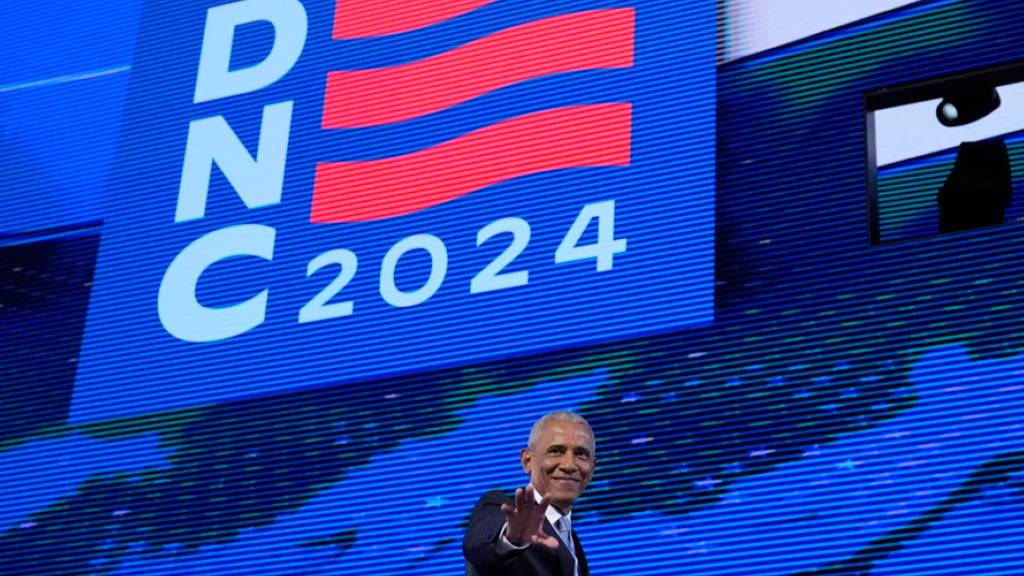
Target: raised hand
{"x": 526, "y": 520}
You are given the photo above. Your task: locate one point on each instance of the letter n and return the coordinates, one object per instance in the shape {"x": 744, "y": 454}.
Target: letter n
{"x": 258, "y": 181}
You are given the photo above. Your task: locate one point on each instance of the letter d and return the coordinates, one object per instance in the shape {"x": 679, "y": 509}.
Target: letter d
{"x": 215, "y": 79}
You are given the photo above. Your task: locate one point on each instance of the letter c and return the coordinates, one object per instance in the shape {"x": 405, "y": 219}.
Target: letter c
{"x": 181, "y": 313}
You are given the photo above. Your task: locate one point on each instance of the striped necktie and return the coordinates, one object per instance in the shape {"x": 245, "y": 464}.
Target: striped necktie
{"x": 564, "y": 528}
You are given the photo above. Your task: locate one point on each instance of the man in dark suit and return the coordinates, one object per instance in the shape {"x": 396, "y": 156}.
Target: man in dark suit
{"x": 531, "y": 534}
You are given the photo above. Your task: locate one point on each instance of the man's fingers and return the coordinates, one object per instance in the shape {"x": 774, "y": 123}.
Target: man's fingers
{"x": 540, "y": 506}
{"x": 527, "y": 518}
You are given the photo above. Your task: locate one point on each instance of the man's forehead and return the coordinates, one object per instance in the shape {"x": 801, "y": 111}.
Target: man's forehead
{"x": 568, "y": 433}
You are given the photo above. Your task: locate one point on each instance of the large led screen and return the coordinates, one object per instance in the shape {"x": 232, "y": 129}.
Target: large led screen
{"x": 803, "y": 354}
{"x": 347, "y": 190}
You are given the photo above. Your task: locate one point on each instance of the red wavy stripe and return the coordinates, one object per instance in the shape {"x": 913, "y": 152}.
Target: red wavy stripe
{"x": 577, "y": 136}
{"x": 365, "y": 18}
{"x": 580, "y": 41}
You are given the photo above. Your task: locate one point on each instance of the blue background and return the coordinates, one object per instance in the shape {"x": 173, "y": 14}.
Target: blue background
{"x": 854, "y": 409}
{"x": 62, "y": 87}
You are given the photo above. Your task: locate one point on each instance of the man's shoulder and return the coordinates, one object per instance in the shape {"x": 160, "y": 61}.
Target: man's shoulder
{"x": 487, "y": 518}
{"x": 492, "y": 497}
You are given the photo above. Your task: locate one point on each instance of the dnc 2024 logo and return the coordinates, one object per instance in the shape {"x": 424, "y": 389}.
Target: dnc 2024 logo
{"x": 313, "y": 193}
{"x": 569, "y": 137}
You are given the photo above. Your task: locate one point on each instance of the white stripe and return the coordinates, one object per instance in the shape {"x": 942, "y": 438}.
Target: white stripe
{"x": 63, "y": 79}
{"x": 753, "y": 26}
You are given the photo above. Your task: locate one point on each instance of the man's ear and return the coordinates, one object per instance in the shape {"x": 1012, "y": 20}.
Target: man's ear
{"x": 525, "y": 458}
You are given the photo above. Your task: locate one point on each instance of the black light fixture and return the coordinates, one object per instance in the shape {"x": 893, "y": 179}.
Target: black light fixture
{"x": 965, "y": 104}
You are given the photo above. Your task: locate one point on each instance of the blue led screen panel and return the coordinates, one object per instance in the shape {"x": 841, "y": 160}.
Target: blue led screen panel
{"x": 854, "y": 408}
{"x": 62, "y": 85}
{"x": 320, "y": 197}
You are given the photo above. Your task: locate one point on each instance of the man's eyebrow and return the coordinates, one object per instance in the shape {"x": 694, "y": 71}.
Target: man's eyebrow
{"x": 562, "y": 447}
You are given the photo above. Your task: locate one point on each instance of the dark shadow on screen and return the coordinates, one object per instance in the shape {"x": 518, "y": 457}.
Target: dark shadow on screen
{"x": 979, "y": 189}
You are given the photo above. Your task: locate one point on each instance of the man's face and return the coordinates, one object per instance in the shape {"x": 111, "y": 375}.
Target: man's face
{"x": 561, "y": 463}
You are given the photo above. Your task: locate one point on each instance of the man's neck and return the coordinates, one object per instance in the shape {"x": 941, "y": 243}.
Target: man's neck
{"x": 562, "y": 511}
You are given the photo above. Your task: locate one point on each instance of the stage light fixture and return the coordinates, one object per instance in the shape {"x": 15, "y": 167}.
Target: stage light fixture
{"x": 967, "y": 104}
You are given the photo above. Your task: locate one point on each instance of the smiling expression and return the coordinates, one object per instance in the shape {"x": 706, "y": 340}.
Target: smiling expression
{"x": 561, "y": 463}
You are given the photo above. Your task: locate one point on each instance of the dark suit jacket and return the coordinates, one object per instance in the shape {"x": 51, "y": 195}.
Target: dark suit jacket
{"x": 478, "y": 546}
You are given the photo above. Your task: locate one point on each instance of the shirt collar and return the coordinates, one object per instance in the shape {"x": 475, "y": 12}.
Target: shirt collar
{"x": 552, "y": 514}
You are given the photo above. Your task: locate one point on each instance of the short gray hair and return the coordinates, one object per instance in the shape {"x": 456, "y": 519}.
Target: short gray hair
{"x": 557, "y": 416}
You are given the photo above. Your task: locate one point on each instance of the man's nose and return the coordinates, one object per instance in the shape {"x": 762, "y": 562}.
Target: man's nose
{"x": 568, "y": 463}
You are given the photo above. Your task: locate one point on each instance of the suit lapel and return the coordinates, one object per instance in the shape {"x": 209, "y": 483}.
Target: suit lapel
{"x": 564, "y": 557}
{"x": 580, "y": 556}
